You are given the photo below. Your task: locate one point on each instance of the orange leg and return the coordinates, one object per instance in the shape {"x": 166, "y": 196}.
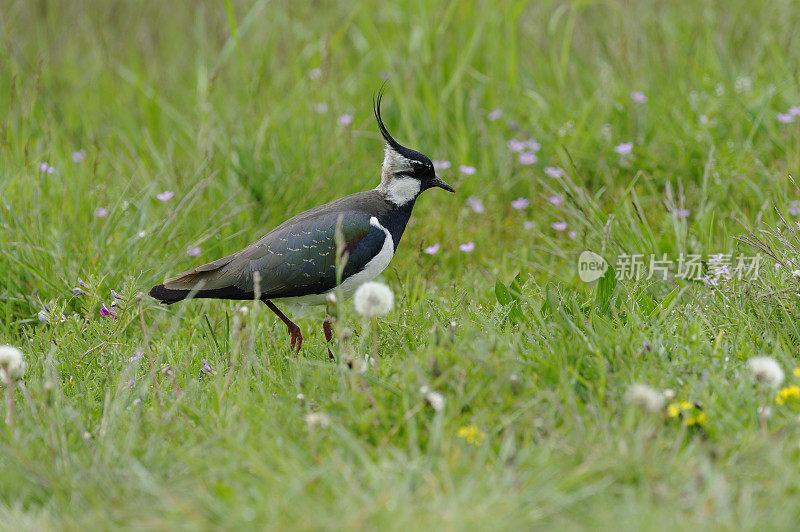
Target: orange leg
{"x": 294, "y": 330}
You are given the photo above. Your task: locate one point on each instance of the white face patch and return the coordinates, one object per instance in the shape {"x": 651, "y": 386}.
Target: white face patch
{"x": 401, "y": 190}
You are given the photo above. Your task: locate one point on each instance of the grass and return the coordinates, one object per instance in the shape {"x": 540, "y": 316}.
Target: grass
{"x": 218, "y": 103}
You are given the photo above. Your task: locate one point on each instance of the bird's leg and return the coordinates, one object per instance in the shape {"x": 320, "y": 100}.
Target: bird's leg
{"x": 294, "y": 330}
{"x": 327, "y": 328}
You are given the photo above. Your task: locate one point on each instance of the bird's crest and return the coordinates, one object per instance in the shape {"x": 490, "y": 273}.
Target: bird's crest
{"x": 376, "y": 107}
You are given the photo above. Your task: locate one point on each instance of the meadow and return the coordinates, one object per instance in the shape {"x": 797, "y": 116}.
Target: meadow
{"x": 139, "y": 139}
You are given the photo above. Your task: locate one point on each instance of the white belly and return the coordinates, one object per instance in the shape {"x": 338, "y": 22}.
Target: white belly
{"x": 348, "y": 287}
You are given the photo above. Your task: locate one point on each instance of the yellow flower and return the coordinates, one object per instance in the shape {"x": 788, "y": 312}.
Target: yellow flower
{"x": 675, "y": 409}
{"x": 699, "y": 419}
{"x": 472, "y": 434}
{"x": 796, "y": 372}
{"x": 787, "y": 393}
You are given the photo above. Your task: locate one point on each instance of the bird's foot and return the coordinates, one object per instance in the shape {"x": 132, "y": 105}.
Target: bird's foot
{"x": 297, "y": 337}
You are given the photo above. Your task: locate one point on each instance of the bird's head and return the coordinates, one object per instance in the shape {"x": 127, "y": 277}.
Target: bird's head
{"x": 406, "y": 172}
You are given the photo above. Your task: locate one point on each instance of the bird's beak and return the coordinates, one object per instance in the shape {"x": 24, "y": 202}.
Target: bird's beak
{"x": 439, "y": 182}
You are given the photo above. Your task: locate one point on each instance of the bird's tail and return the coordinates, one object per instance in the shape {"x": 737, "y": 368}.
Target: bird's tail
{"x": 206, "y": 281}
{"x": 168, "y": 296}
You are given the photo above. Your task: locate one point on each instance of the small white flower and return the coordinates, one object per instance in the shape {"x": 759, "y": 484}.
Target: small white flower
{"x": 373, "y": 299}
{"x": 317, "y": 419}
{"x": 435, "y": 399}
{"x": 646, "y": 397}
{"x": 11, "y": 363}
{"x": 766, "y": 371}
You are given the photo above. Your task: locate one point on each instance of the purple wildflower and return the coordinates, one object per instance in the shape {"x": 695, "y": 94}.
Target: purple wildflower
{"x": 467, "y": 170}
{"x": 794, "y": 110}
{"x": 554, "y": 200}
{"x": 682, "y": 213}
{"x": 193, "y": 251}
{"x": 345, "y": 119}
{"x": 321, "y": 108}
{"x": 533, "y": 145}
{"x": 646, "y": 347}
{"x": 78, "y": 156}
{"x": 136, "y": 356}
{"x": 638, "y": 97}
{"x": 46, "y": 168}
{"x": 43, "y": 316}
{"x": 166, "y": 195}
{"x": 559, "y": 226}
{"x": 101, "y": 212}
{"x": 315, "y": 73}
{"x": 441, "y": 165}
{"x": 527, "y": 158}
{"x": 207, "y": 369}
{"x": 516, "y": 145}
{"x": 528, "y": 225}
{"x": 104, "y": 311}
{"x": 495, "y": 114}
{"x": 77, "y": 291}
{"x": 476, "y": 204}
{"x": 554, "y": 171}
{"x": 624, "y": 149}
{"x": 116, "y": 295}
{"x": 703, "y": 119}
{"x": 794, "y": 208}
{"x": 432, "y": 250}
{"x": 520, "y": 203}
{"x": 468, "y": 247}
{"x": 572, "y": 234}
{"x": 785, "y": 118}
{"x": 83, "y": 283}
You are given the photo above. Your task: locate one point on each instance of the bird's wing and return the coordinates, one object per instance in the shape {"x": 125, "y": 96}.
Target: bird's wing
{"x": 295, "y": 259}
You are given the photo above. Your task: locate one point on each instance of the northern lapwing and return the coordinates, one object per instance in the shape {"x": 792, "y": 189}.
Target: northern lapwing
{"x": 297, "y": 261}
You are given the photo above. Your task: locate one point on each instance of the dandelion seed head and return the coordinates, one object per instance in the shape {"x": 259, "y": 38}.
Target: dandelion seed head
{"x": 317, "y": 419}
{"x": 12, "y": 363}
{"x": 646, "y": 397}
{"x": 373, "y": 299}
{"x": 766, "y": 370}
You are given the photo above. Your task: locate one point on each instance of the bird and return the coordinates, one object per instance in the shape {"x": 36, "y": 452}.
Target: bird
{"x": 296, "y": 262}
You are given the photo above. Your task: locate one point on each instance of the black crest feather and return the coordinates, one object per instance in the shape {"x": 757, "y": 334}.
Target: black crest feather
{"x": 376, "y": 108}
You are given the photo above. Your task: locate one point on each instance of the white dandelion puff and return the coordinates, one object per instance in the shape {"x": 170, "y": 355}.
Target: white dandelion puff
{"x": 766, "y": 370}
{"x": 12, "y": 363}
{"x": 373, "y": 299}
{"x": 646, "y": 397}
{"x": 317, "y": 419}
